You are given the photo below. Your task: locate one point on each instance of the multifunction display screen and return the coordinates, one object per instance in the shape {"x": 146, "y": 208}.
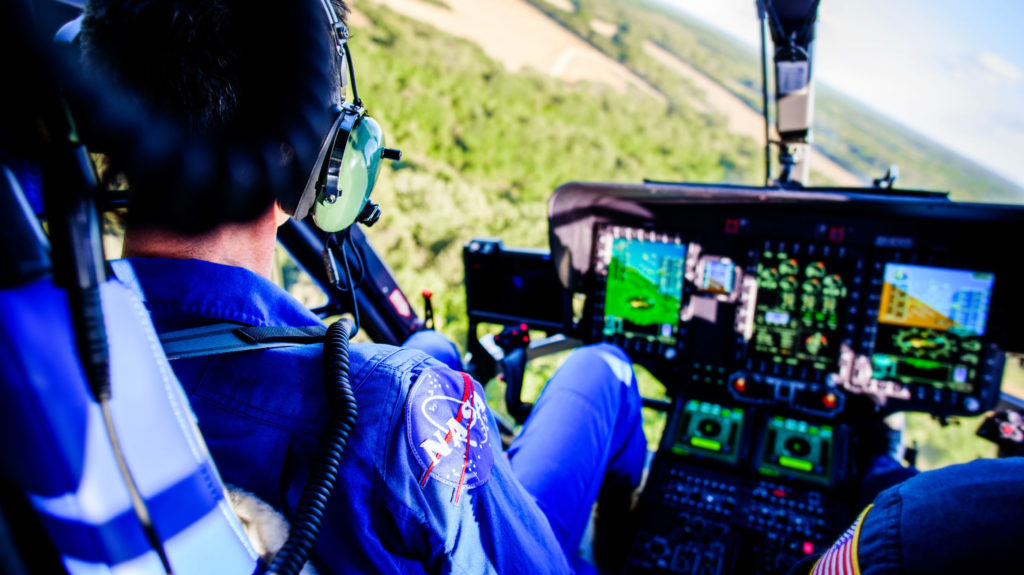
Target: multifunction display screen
{"x": 930, "y": 326}
{"x": 718, "y": 277}
{"x": 644, "y": 289}
{"x": 797, "y": 315}
{"x": 708, "y": 430}
{"x": 797, "y": 449}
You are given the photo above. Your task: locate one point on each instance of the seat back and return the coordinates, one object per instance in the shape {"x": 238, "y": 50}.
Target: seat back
{"x": 57, "y": 450}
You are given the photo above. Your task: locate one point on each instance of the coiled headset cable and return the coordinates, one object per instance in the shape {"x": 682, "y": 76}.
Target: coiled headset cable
{"x": 324, "y": 475}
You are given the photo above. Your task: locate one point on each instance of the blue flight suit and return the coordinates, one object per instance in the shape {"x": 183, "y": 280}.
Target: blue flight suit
{"x": 424, "y": 484}
{"x": 954, "y": 520}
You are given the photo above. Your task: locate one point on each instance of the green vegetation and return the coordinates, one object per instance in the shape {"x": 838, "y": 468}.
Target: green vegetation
{"x": 863, "y": 141}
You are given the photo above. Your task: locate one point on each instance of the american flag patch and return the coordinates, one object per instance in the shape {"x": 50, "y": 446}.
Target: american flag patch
{"x": 841, "y": 558}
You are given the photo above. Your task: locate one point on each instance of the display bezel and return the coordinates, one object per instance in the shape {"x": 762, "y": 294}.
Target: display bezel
{"x": 728, "y": 453}
{"x": 920, "y": 336}
{"x": 794, "y": 468}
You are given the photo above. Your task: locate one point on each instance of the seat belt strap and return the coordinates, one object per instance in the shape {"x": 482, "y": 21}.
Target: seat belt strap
{"x": 222, "y": 338}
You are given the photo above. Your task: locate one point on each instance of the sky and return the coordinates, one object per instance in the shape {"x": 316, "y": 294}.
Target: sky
{"x": 952, "y": 70}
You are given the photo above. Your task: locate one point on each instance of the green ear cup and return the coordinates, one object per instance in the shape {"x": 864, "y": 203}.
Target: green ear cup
{"x": 351, "y": 174}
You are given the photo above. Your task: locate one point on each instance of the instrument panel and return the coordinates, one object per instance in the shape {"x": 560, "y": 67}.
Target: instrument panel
{"x": 804, "y": 324}
{"x": 785, "y": 325}
{"x": 808, "y": 302}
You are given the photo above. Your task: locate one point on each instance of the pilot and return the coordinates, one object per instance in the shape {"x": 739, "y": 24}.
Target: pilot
{"x": 954, "y": 520}
{"x": 424, "y": 485}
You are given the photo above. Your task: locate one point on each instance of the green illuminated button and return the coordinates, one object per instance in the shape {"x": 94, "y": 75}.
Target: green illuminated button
{"x": 709, "y": 428}
{"x": 797, "y": 446}
{"x": 704, "y": 443}
{"x": 798, "y": 464}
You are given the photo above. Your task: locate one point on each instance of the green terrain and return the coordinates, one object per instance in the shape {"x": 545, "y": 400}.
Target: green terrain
{"x": 635, "y": 298}
{"x": 860, "y": 139}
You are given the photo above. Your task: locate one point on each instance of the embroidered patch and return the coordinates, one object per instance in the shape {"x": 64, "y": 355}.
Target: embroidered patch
{"x": 447, "y": 423}
{"x": 841, "y": 558}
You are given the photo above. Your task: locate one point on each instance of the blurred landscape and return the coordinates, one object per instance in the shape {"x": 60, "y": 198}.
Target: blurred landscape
{"x": 495, "y": 103}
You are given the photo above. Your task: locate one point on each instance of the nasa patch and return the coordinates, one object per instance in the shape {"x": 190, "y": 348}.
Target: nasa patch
{"x": 447, "y": 428}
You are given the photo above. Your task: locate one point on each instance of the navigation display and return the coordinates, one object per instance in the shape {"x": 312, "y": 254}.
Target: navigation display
{"x": 644, "y": 292}
{"x": 797, "y": 315}
{"x": 719, "y": 277}
{"x": 930, "y": 326}
{"x": 708, "y": 430}
{"x": 797, "y": 449}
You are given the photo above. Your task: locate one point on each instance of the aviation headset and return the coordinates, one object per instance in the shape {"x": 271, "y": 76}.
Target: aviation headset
{"x": 337, "y": 193}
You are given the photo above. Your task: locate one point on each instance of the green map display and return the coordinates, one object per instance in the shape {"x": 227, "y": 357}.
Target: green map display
{"x": 644, "y": 292}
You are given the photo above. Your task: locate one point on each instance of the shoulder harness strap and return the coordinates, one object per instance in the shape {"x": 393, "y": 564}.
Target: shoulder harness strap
{"x": 224, "y": 337}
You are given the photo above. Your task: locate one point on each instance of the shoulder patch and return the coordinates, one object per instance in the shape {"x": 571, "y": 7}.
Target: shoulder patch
{"x": 842, "y": 558}
{"x": 448, "y": 429}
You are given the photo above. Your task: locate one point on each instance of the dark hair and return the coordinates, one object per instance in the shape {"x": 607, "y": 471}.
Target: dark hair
{"x": 183, "y": 58}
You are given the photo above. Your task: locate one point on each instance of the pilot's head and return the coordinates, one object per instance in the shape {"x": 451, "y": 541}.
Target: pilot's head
{"x": 183, "y": 58}
{"x": 189, "y": 60}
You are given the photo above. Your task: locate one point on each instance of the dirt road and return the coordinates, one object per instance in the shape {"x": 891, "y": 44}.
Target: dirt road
{"x": 520, "y": 36}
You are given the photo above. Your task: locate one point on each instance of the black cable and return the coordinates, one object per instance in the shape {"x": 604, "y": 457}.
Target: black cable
{"x": 79, "y": 261}
{"x": 138, "y": 503}
{"x": 333, "y": 251}
{"x": 361, "y": 268}
{"x": 335, "y": 248}
{"x": 322, "y": 478}
{"x": 352, "y": 75}
{"x": 351, "y": 288}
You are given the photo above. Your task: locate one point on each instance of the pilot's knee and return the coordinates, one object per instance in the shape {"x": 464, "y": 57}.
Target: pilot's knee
{"x": 597, "y": 364}
{"x": 436, "y": 345}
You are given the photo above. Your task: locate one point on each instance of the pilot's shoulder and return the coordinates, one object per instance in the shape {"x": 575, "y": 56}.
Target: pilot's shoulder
{"x": 379, "y": 365}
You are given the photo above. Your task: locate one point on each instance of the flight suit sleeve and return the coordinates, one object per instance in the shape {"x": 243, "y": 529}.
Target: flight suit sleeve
{"x": 451, "y": 497}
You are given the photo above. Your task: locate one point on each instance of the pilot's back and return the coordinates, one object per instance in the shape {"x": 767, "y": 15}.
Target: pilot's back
{"x": 424, "y": 484}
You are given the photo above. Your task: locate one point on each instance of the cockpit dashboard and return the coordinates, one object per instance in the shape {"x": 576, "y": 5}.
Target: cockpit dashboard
{"x": 785, "y": 326}
{"x": 818, "y": 303}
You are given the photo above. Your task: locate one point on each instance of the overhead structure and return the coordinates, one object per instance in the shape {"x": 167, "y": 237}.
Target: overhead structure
{"x": 791, "y": 25}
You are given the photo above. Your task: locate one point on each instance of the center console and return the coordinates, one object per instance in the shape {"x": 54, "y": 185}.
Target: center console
{"x": 738, "y": 490}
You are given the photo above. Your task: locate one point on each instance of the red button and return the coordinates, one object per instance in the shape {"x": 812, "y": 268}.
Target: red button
{"x": 778, "y": 492}
{"x": 829, "y": 400}
{"x": 740, "y": 384}
{"x": 808, "y": 547}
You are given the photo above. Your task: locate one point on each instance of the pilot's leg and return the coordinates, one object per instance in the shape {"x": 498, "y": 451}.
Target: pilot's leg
{"x": 437, "y": 346}
{"x": 585, "y": 428}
